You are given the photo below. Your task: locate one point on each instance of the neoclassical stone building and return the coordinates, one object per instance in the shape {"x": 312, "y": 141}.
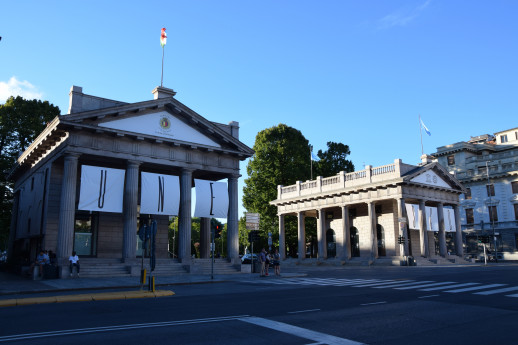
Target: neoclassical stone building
{"x": 120, "y": 142}
{"x": 361, "y": 215}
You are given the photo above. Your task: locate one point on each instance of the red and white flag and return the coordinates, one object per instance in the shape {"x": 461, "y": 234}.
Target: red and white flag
{"x": 163, "y": 37}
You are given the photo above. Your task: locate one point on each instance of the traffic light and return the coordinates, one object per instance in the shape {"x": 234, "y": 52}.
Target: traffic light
{"x": 217, "y": 231}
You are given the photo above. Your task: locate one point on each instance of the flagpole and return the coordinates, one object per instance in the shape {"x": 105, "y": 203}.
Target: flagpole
{"x": 421, "y": 133}
{"x": 162, "y": 76}
{"x": 311, "y": 160}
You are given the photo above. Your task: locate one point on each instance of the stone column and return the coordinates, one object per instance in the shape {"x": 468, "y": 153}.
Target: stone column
{"x": 321, "y": 235}
{"x": 371, "y": 210}
{"x": 282, "y": 237}
{"x": 129, "y": 247}
{"x": 403, "y": 227}
{"x": 301, "y": 226}
{"x": 458, "y": 232}
{"x": 423, "y": 235}
{"x": 345, "y": 253}
{"x": 14, "y": 224}
{"x": 184, "y": 218}
{"x": 442, "y": 232}
{"x": 233, "y": 221}
{"x": 67, "y": 210}
{"x": 205, "y": 237}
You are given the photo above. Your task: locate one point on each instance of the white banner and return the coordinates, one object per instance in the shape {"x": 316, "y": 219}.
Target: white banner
{"x": 102, "y": 189}
{"x": 211, "y": 199}
{"x": 412, "y": 211}
{"x": 159, "y": 194}
{"x": 432, "y": 219}
{"x": 449, "y": 219}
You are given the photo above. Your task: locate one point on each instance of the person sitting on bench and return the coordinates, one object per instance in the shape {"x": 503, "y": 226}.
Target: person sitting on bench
{"x": 74, "y": 261}
{"x": 41, "y": 259}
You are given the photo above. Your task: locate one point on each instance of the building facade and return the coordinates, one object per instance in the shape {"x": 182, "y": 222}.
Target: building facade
{"x": 106, "y": 150}
{"x": 384, "y": 213}
{"x": 487, "y": 165}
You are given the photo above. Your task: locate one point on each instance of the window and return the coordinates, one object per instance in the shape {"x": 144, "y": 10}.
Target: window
{"x": 516, "y": 135}
{"x": 467, "y": 196}
{"x": 490, "y": 189}
{"x": 503, "y": 138}
{"x": 469, "y": 216}
{"x": 514, "y": 186}
{"x": 451, "y": 160}
{"x": 493, "y": 216}
{"x": 516, "y": 211}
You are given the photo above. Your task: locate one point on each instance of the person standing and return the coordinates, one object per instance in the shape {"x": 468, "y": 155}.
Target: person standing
{"x": 262, "y": 259}
{"x": 74, "y": 261}
{"x": 277, "y": 262}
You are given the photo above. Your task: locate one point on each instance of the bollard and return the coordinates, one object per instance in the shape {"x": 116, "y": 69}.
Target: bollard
{"x": 143, "y": 276}
{"x": 152, "y": 283}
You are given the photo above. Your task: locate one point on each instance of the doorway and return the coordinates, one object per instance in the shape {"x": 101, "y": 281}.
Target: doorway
{"x": 331, "y": 243}
{"x": 355, "y": 242}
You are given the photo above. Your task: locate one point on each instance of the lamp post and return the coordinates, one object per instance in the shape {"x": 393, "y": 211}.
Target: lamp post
{"x": 490, "y": 213}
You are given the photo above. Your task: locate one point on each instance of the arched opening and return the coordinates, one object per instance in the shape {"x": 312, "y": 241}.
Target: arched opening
{"x": 355, "y": 242}
{"x": 331, "y": 243}
{"x": 380, "y": 232}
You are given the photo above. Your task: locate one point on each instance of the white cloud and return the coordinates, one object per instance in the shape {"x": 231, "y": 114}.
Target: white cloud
{"x": 14, "y": 87}
{"x": 403, "y": 16}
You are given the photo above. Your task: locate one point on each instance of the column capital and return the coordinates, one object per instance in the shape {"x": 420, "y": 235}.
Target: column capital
{"x": 234, "y": 176}
{"x": 187, "y": 170}
{"x": 71, "y": 155}
{"x": 133, "y": 163}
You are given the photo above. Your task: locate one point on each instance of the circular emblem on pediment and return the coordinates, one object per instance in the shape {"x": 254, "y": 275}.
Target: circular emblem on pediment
{"x": 165, "y": 123}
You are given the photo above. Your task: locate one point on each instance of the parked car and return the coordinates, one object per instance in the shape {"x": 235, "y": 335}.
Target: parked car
{"x": 247, "y": 258}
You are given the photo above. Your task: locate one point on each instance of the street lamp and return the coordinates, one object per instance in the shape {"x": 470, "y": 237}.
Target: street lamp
{"x": 490, "y": 214}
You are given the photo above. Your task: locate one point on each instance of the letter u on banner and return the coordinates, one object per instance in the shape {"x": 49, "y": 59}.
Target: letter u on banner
{"x": 159, "y": 194}
{"x": 211, "y": 199}
{"x": 102, "y": 189}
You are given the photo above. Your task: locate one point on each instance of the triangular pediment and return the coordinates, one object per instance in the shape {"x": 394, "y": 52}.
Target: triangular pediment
{"x": 161, "y": 124}
{"x": 430, "y": 177}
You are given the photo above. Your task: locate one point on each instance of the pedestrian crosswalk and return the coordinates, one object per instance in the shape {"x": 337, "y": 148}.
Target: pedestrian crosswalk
{"x": 403, "y": 284}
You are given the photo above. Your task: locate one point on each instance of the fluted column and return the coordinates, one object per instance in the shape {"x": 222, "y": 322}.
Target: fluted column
{"x": 301, "y": 227}
{"x": 423, "y": 235}
{"x": 14, "y": 225}
{"x": 205, "y": 237}
{"x": 458, "y": 232}
{"x": 403, "y": 227}
{"x": 129, "y": 248}
{"x": 345, "y": 250}
{"x": 371, "y": 210}
{"x": 282, "y": 237}
{"x": 233, "y": 221}
{"x": 184, "y": 219}
{"x": 442, "y": 232}
{"x": 321, "y": 235}
{"x": 67, "y": 207}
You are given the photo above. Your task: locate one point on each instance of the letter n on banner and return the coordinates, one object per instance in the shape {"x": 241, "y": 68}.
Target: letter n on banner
{"x": 211, "y": 199}
{"x": 159, "y": 194}
{"x": 102, "y": 189}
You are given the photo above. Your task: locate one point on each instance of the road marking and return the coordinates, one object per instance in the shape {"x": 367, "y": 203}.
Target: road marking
{"x": 491, "y": 292}
{"x": 299, "y": 332}
{"x": 386, "y": 282}
{"x": 448, "y": 286}
{"x": 424, "y": 285}
{"x": 475, "y": 288}
{"x": 373, "y": 303}
{"x": 428, "y": 296}
{"x": 401, "y": 284}
{"x": 117, "y": 328}
{"x": 302, "y": 311}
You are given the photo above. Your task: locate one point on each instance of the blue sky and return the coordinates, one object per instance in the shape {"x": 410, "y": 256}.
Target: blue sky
{"x": 356, "y": 72}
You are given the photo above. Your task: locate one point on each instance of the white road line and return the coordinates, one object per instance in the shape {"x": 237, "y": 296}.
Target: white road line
{"x": 475, "y": 288}
{"x": 428, "y": 296}
{"x": 514, "y": 295}
{"x": 303, "y": 311}
{"x": 491, "y": 292}
{"x": 299, "y": 332}
{"x": 373, "y": 303}
{"x": 117, "y": 328}
{"x": 386, "y": 282}
{"x": 401, "y": 284}
{"x": 424, "y": 285}
{"x": 448, "y": 287}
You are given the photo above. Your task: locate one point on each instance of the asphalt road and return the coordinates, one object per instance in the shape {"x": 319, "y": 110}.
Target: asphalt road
{"x": 384, "y": 305}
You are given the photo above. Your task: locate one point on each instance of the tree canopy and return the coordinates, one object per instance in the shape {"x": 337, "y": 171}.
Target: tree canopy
{"x": 333, "y": 160}
{"x": 21, "y": 121}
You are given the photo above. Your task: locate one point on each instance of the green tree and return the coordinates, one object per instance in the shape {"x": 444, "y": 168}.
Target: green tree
{"x": 333, "y": 160}
{"x": 281, "y": 158}
{"x": 21, "y": 121}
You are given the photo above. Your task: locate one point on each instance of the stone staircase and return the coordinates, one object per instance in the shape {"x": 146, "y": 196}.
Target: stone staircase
{"x": 93, "y": 267}
{"x": 164, "y": 267}
{"x": 439, "y": 260}
{"x": 221, "y": 266}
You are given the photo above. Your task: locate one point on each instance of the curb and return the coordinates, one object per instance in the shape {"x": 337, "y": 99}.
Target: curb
{"x": 103, "y": 296}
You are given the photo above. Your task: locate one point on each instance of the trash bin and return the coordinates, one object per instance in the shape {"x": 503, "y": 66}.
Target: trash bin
{"x": 411, "y": 261}
{"x": 257, "y": 267}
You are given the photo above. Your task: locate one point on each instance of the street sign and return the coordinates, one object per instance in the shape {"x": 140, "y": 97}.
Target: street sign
{"x": 252, "y": 221}
{"x": 401, "y": 219}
